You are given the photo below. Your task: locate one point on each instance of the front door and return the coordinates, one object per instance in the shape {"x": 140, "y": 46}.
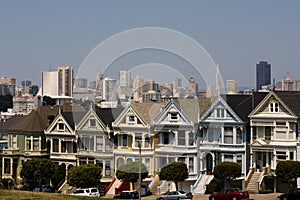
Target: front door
{"x": 209, "y": 164}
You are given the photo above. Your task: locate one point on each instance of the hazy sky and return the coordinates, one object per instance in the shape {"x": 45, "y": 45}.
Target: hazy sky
{"x": 37, "y": 36}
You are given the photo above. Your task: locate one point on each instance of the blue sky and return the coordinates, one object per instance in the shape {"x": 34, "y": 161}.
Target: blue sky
{"x": 37, "y": 36}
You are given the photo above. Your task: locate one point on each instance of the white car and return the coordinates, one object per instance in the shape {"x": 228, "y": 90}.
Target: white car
{"x": 90, "y": 192}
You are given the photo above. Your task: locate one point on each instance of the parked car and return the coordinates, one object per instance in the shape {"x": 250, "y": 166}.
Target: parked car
{"x": 291, "y": 195}
{"x": 91, "y": 192}
{"x": 175, "y": 195}
{"x": 230, "y": 194}
{"x": 127, "y": 195}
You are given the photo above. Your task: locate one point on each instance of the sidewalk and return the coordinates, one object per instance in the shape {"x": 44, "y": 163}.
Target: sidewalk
{"x": 272, "y": 196}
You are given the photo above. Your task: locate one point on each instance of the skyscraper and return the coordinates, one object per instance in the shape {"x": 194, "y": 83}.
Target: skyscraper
{"x": 263, "y": 74}
{"x": 231, "y": 86}
{"x": 125, "y": 78}
{"x": 65, "y": 80}
{"x": 109, "y": 89}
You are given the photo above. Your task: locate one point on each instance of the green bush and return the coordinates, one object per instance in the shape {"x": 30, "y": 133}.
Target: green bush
{"x": 214, "y": 186}
{"x": 266, "y": 191}
{"x": 269, "y": 183}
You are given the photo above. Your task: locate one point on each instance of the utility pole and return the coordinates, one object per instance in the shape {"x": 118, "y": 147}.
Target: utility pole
{"x": 140, "y": 177}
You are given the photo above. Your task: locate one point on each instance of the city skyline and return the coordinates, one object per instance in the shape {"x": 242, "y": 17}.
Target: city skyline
{"x": 38, "y": 37}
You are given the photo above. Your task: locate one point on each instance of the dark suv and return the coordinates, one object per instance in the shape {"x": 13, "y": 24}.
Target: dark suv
{"x": 127, "y": 195}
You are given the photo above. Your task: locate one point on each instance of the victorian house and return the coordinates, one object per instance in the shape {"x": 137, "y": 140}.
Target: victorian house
{"x": 274, "y": 133}
{"x": 26, "y": 140}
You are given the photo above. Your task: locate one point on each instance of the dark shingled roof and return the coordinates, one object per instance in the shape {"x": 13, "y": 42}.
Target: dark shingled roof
{"x": 291, "y": 99}
{"x": 242, "y": 104}
{"x": 108, "y": 115}
{"x": 37, "y": 121}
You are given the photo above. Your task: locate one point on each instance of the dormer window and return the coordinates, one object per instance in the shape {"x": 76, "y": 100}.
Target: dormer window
{"x": 130, "y": 119}
{"x": 92, "y": 122}
{"x": 61, "y": 126}
{"x": 274, "y": 107}
{"x": 173, "y": 116}
{"x": 220, "y": 113}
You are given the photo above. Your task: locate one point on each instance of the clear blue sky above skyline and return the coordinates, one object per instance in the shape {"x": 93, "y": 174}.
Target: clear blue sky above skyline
{"x": 36, "y": 35}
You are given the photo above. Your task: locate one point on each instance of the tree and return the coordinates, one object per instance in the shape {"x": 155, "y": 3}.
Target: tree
{"x": 37, "y": 172}
{"x": 288, "y": 170}
{"x": 176, "y": 172}
{"x": 130, "y": 172}
{"x": 58, "y": 175}
{"x": 86, "y": 175}
{"x": 226, "y": 172}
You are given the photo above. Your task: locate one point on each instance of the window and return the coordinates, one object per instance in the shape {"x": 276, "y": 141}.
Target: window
{"x": 228, "y": 158}
{"x": 191, "y": 138}
{"x": 124, "y": 140}
{"x": 274, "y": 107}
{"x": 181, "y": 138}
{"x": 147, "y": 141}
{"x": 55, "y": 145}
{"x": 120, "y": 161}
{"x": 228, "y": 135}
{"x": 211, "y": 134}
{"x": 63, "y": 147}
{"x": 14, "y": 142}
{"x": 28, "y": 143}
{"x": 138, "y": 139}
{"x": 165, "y": 138}
{"x": 220, "y": 113}
{"x": 99, "y": 143}
{"x": 147, "y": 164}
{"x": 36, "y": 141}
{"x": 87, "y": 142}
{"x": 239, "y": 159}
{"x": 6, "y": 165}
{"x": 291, "y": 155}
{"x": 131, "y": 119}
{"x": 61, "y": 127}
{"x": 92, "y": 122}
{"x": 191, "y": 165}
{"x": 108, "y": 145}
{"x": 173, "y": 117}
{"x": 281, "y": 155}
{"x": 107, "y": 168}
{"x": 239, "y": 136}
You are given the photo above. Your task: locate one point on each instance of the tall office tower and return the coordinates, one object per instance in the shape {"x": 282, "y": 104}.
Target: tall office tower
{"x": 263, "y": 74}
{"x": 125, "y": 78}
{"x": 49, "y": 83}
{"x": 99, "y": 83}
{"x": 65, "y": 81}
{"x": 137, "y": 84}
{"x": 177, "y": 83}
{"x": 26, "y": 83}
{"x": 193, "y": 86}
{"x": 232, "y": 87}
{"x": 109, "y": 89}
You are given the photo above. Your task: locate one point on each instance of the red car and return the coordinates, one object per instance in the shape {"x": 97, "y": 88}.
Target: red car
{"x": 230, "y": 194}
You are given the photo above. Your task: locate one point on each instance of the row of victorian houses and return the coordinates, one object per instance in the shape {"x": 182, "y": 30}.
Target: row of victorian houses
{"x": 255, "y": 131}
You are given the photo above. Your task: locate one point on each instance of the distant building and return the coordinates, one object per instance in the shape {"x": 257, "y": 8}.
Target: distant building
{"x": 231, "y": 87}
{"x": 263, "y": 74}
{"x": 25, "y": 104}
{"x": 65, "y": 80}
{"x": 288, "y": 84}
{"x": 125, "y": 78}
{"x": 98, "y": 84}
{"x": 80, "y": 82}
{"x": 193, "y": 86}
{"x": 109, "y": 89}
{"x": 26, "y": 83}
{"x": 7, "y": 86}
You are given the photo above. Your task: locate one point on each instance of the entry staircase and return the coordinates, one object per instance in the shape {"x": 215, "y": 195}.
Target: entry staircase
{"x": 200, "y": 185}
{"x": 254, "y": 182}
{"x": 112, "y": 189}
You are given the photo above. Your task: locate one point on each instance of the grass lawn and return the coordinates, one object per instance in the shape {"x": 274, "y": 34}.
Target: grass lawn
{"x": 23, "y": 195}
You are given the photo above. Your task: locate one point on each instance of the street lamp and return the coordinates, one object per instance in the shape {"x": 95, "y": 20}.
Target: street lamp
{"x": 140, "y": 161}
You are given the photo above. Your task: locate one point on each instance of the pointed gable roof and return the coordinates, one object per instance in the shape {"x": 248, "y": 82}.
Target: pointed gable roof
{"x": 172, "y": 106}
{"x": 285, "y": 98}
{"x": 220, "y": 100}
{"x": 90, "y": 113}
{"x": 291, "y": 99}
{"x": 148, "y": 111}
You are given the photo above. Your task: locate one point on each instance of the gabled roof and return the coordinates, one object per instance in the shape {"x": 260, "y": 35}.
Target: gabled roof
{"x": 291, "y": 99}
{"x": 288, "y": 99}
{"x": 148, "y": 111}
{"x": 220, "y": 100}
{"x": 193, "y": 108}
{"x": 171, "y": 106}
{"x": 108, "y": 115}
{"x": 90, "y": 113}
{"x": 37, "y": 121}
{"x": 243, "y": 104}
